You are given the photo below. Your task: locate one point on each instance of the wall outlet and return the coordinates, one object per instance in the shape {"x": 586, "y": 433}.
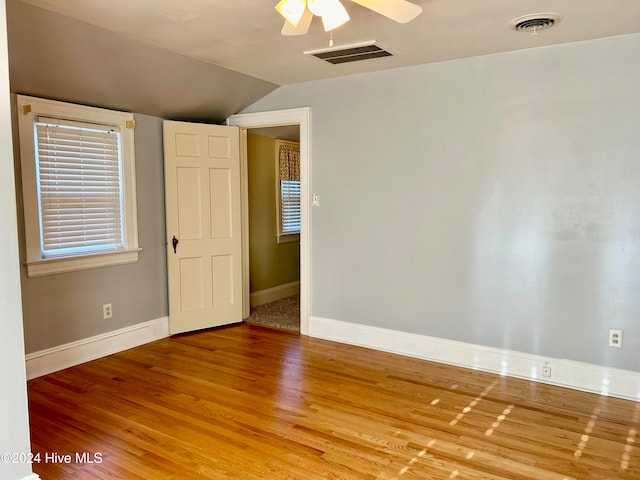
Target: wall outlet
{"x": 615, "y": 338}
{"x": 107, "y": 312}
{"x": 546, "y": 371}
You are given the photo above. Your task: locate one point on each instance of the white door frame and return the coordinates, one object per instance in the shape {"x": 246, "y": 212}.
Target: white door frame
{"x": 294, "y": 116}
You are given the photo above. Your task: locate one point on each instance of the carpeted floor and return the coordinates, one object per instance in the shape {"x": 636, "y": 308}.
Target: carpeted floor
{"x": 283, "y": 314}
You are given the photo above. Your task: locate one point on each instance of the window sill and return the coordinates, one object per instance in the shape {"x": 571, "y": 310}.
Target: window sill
{"x": 288, "y": 238}
{"x": 51, "y": 266}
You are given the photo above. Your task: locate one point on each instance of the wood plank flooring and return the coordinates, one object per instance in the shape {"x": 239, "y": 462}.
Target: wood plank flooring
{"x": 246, "y": 402}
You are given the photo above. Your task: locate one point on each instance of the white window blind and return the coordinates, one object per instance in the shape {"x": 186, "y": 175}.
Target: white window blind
{"x": 290, "y": 206}
{"x": 78, "y": 169}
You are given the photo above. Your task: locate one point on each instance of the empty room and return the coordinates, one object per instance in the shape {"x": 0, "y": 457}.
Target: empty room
{"x": 440, "y": 197}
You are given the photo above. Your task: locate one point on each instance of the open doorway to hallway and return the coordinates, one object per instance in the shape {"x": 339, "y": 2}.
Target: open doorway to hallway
{"x": 302, "y": 118}
{"x": 274, "y": 215}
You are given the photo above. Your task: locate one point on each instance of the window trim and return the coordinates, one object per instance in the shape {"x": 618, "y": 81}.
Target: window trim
{"x": 28, "y": 109}
{"x": 280, "y": 236}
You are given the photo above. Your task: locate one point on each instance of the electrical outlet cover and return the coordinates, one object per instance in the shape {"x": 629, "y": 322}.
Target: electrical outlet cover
{"x": 615, "y": 338}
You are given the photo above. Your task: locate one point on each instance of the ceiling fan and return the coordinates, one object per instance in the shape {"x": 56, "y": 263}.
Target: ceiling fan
{"x": 299, "y": 13}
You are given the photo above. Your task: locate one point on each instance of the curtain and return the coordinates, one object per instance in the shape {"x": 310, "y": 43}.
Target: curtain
{"x": 289, "y": 162}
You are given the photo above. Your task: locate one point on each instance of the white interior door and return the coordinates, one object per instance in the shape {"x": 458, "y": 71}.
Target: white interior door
{"x": 202, "y": 192}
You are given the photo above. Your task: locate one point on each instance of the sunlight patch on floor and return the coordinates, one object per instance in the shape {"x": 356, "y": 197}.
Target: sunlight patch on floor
{"x": 631, "y": 440}
{"x": 499, "y": 419}
{"x": 584, "y": 439}
{"x": 473, "y": 403}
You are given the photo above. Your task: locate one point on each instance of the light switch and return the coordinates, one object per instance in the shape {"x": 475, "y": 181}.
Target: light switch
{"x": 315, "y": 199}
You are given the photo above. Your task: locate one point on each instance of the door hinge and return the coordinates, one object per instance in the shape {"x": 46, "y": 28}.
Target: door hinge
{"x": 130, "y": 124}
{"x": 26, "y": 109}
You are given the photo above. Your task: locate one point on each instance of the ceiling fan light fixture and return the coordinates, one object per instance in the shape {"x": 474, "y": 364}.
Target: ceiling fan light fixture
{"x": 334, "y": 15}
{"x": 300, "y": 13}
{"x": 291, "y": 10}
{"x": 316, "y": 7}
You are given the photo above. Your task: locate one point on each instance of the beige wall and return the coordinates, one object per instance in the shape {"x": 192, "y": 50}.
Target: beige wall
{"x": 271, "y": 264}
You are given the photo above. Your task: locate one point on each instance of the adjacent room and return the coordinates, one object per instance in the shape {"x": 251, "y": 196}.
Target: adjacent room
{"x": 355, "y": 239}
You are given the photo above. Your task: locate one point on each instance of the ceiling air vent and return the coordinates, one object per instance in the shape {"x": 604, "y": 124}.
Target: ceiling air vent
{"x": 535, "y": 22}
{"x": 350, "y": 53}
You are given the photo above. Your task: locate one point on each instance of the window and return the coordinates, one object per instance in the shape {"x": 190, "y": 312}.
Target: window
{"x": 78, "y": 181}
{"x": 288, "y": 190}
{"x": 290, "y": 205}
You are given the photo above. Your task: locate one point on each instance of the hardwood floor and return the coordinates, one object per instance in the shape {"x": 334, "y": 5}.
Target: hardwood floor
{"x": 246, "y": 402}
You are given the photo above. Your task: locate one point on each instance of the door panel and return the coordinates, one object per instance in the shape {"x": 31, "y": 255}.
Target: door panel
{"x": 221, "y": 203}
{"x": 202, "y": 190}
{"x": 219, "y": 147}
{"x": 189, "y": 204}
{"x": 187, "y": 145}
{"x": 222, "y": 269}
{"x": 191, "y": 276}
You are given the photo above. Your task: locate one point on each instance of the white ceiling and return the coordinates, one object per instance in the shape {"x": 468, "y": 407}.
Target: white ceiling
{"x": 243, "y": 35}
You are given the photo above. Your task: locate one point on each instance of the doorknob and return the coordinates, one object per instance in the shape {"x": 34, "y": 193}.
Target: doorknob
{"x": 175, "y": 242}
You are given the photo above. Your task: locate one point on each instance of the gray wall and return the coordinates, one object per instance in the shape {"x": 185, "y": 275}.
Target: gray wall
{"x": 491, "y": 200}
{"x": 14, "y": 430}
{"x": 66, "y": 307}
{"x": 65, "y": 59}
{"x": 97, "y": 67}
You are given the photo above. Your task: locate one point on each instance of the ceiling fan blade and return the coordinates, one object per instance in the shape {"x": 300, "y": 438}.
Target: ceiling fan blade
{"x": 303, "y": 25}
{"x": 401, "y": 11}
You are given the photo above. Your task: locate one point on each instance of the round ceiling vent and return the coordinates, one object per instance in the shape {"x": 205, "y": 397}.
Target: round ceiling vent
{"x": 535, "y": 22}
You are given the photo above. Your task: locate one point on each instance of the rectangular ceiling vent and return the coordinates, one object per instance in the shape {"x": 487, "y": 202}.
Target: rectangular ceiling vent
{"x": 350, "y": 53}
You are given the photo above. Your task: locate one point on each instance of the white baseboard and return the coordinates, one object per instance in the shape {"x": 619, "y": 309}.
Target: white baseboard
{"x": 70, "y": 354}
{"x": 269, "y": 295}
{"x": 566, "y": 373}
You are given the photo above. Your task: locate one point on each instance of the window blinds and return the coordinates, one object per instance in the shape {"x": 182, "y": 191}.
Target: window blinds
{"x": 290, "y": 206}
{"x": 79, "y": 186}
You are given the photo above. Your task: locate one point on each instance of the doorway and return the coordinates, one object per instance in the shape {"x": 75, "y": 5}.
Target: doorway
{"x": 301, "y": 118}
{"x": 274, "y": 238}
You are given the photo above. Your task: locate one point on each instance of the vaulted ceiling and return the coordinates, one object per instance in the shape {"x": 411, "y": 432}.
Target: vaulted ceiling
{"x": 207, "y": 59}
